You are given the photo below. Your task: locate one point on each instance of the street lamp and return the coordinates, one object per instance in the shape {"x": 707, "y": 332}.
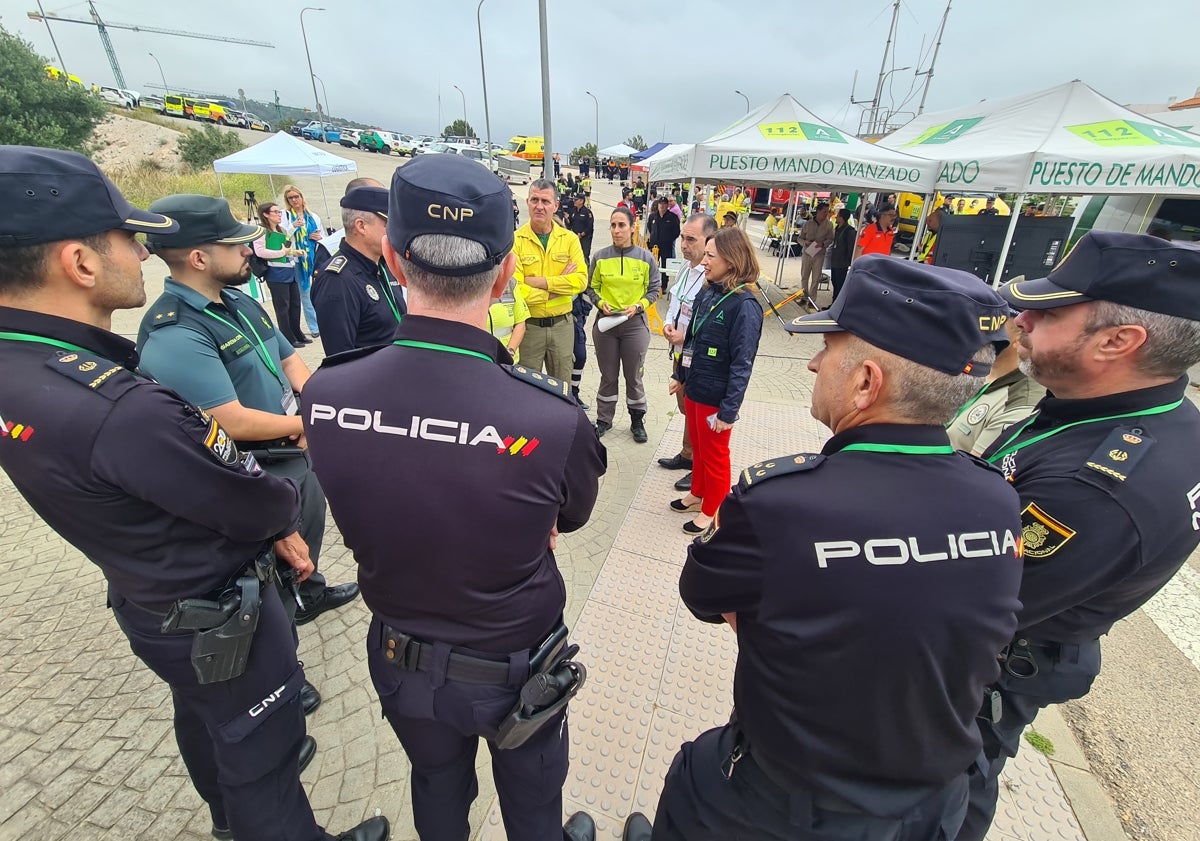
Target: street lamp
{"x": 307, "y": 55}
{"x": 166, "y": 90}
{"x": 487, "y": 120}
{"x": 466, "y": 127}
{"x": 328, "y": 113}
{"x": 743, "y": 96}
{"x": 593, "y": 96}
{"x": 544, "y": 44}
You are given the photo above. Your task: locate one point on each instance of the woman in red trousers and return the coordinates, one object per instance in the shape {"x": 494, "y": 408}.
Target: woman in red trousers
{"x": 714, "y": 371}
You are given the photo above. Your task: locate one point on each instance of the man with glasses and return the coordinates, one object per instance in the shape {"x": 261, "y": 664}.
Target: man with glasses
{"x": 357, "y": 305}
{"x": 219, "y": 350}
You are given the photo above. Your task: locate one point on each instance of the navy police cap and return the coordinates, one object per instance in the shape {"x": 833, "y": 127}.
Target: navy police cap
{"x": 369, "y": 199}
{"x": 934, "y": 316}
{"x": 50, "y": 195}
{"x": 453, "y": 195}
{"x": 1131, "y": 269}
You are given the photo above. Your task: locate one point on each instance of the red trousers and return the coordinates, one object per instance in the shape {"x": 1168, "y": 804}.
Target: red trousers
{"x": 710, "y": 457}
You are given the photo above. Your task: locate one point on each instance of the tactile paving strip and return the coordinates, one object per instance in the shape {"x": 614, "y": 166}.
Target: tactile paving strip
{"x": 638, "y": 584}
{"x": 657, "y": 536}
{"x": 697, "y": 678}
{"x": 607, "y": 742}
{"x": 1040, "y": 801}
{"x": 668, "y": 731}
{"x": 623, "y": 652}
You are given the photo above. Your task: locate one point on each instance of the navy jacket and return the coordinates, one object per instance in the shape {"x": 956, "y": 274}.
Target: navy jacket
{"x": 723, "y": 350}
{"x": 446, "y": 469}
{"x": 872, "y": 592}
{"x": 146, "y": 485}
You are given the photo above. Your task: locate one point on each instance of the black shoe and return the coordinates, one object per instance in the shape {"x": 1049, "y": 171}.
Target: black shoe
{"x": 691, "y": 528}
{"x": 310, "y": 698}
{"x": 306, "y": 340}
{"x": 601, "y": 428}
{"x": 579, "y": 402}
{"x": 684, "y": 484}
{"x": 637, "y": 828}
{"x": 330, "y": 598}
{"x": 372, "y": 829}
{"x": 579, "y": 827}
{"x": 298, "y": 345}
{"x": 638, "y": 427}
{"x": 676, "y": 462}
{"x": 308, "y": 751}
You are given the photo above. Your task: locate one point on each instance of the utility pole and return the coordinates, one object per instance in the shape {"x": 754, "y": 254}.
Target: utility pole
{"x": 873, "y": 126}
{"x": 62, "y": 65}
{"x": 308, "y": 55}
{"x": 928, "y": 74}
{"x": 547, "y": 138}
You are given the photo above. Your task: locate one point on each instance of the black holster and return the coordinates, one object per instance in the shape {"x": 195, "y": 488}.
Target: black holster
{"x": 556, "y": 680}
{"x": 224, "y": 628}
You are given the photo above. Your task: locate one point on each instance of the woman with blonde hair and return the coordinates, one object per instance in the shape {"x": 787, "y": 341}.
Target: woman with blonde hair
{"x": 714, "y": 371}
{"x": 306, "y": 232}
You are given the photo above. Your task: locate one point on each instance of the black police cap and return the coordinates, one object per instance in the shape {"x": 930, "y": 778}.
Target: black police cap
{"x": 369, "y": 199}
{"x": 934, "y": 316}
{"x": 50, "y": 195}
{"x": 1131, "y": 269}
{"x": 450, "y": 194}
{"x": 203, "y": 220}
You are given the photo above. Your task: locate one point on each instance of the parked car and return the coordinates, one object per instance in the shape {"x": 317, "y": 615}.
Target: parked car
{"x": 404, "y": 144}
{"x": 349, "y": 137}
{"x": 113, "y": 96}
{"x": 153, "y": 103}
{"x": 324, "y": 132}
{"x": 372, "y": 141}
{"x": 173, "y": 105}
{"x": 219, "y": 111}
{"x": 300, "y": 125}
{"x": 237, "y": 118}
{"x": 257, "y": 123}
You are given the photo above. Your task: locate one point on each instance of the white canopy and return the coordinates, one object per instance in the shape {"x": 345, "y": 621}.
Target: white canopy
{"x": 618, "y": 151}
{"x": 782, "y": 142}
{"x": 664, "y": 153}
{"x": 1067, "y": 139}
{"x": 285, "y": 155}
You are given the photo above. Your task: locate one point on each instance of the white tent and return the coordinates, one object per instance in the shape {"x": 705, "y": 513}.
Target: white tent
{"x": 618, "y": 151}
{"x": 283, "y": 154}
{"x": 1067, "y": 139}
{"x": 783, "y": 143}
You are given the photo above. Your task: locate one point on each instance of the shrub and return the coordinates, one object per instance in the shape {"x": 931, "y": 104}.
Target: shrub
{"x": 148, "y": 181}
{"x": 36, "y": 110}
{"x": 200, "y": 147}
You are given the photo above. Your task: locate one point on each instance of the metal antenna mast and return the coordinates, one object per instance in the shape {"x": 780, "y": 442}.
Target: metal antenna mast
{"x": 928, "y": 74}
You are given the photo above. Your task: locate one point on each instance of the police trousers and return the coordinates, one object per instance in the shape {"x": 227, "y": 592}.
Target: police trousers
{"x": 1065, "y": 672}
{"x": 699, "y": 804}
{"x": 439, "y": 724}
{"x": 240, "y": 738}
{"x": 623, "y": 348}
{"x": 312, "y": 513}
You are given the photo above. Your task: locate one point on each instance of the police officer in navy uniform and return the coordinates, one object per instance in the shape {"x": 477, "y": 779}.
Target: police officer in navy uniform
{"x": 218, "y": 348}
{"x": 356, "y": 301}
{"x": 582, "y": 223}
{"x": 148, "y": 487}
{"x": 1107, "y": 467}
{"x": 869, "y": 585}
{"x": 451, "y": 473}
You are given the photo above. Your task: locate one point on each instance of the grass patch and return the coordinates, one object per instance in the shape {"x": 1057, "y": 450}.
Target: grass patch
{"x": 1039, "y": 742}
{"x": 147, "y": 182}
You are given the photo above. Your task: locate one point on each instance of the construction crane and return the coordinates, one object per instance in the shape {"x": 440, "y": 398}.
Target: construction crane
{"x": 103, "y": 26}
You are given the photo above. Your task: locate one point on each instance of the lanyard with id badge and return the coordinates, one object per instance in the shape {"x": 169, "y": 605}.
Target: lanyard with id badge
{"x": 685, "y": 358}
{"x": 287, "y": 400}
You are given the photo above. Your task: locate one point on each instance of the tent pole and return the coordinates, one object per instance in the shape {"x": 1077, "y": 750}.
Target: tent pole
{"x": 271, "y": 181}
{"x": 915, "y": 251}
{"x": 321, "y": 181}
{"x": 220, "y": 189}
{"x": 1015, "y": 212}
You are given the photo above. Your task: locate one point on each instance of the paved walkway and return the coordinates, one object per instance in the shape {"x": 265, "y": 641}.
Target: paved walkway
{"x": 85, "y": 730}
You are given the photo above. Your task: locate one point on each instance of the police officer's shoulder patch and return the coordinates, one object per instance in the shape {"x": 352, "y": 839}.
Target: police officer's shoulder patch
{"x": 756, "y": 474}
{"x": 97, "y": 373}
{"x": 1041, "y": 534}
{"x": 351, "y": 355}
{"x": 1116, "y": 457}
{"x": 336, "y": 264}
{"x": 165, "y": 311}
{"x": 557, "y": 387}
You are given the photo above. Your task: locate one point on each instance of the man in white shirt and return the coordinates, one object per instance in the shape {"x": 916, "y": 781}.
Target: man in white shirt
{"x": 688, "y": 283}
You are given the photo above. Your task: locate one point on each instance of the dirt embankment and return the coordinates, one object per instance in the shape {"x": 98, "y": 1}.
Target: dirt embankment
{"x": 123, "y": 143}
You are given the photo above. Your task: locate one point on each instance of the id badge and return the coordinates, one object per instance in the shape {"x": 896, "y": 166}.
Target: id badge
{"x": 685, "y": 311}
{"x": 685, "y": 359}
{"x": 288, "y": 402}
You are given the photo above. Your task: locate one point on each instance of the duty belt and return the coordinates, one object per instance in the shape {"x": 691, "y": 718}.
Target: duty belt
{"x": 548, "y": 322}
{"x": 406, "y": 652}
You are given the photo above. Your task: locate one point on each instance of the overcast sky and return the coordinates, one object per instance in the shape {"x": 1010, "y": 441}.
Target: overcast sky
{"x": 665, "y": 69}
